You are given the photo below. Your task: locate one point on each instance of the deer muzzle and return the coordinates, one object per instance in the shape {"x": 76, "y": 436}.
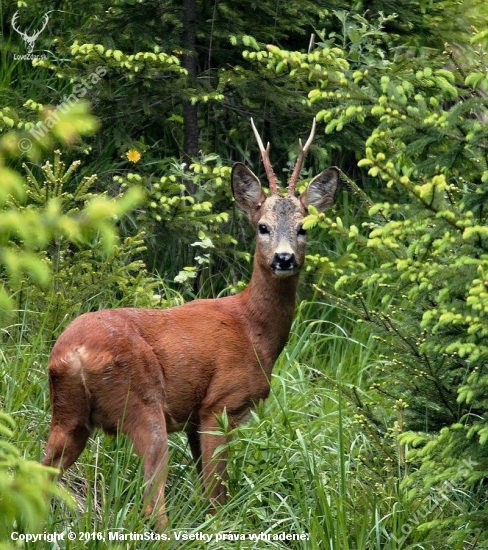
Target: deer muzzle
{"x": 284, "y": 264}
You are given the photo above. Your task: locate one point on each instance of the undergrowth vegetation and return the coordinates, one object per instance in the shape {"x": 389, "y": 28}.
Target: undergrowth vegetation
{"x": 374, "y": 435}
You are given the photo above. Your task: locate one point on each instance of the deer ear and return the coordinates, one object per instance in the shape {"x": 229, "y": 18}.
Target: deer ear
{"x": 246, "y": 189}
{"x": 321, "y": 190}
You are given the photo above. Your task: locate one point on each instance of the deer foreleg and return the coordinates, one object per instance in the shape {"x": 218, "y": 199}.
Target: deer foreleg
{"x": 213, "y": 460}
{"x": 196, "y": 449}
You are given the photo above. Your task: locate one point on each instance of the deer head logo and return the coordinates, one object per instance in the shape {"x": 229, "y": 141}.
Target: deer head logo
{"x": 29, "y": 40}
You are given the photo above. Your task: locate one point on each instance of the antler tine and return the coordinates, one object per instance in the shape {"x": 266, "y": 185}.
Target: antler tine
{"x": 298, "y": 166}
{"x": 273, "y": 182}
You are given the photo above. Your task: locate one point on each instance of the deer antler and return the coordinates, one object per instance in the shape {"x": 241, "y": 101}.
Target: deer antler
{"x": 273, "y": 182}
{"x": 298, "y": 166}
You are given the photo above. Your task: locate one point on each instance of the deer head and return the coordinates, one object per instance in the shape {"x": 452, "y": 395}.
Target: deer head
{"x": 281, "y": 239}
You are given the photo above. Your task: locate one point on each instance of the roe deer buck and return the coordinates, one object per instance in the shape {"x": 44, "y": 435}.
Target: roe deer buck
{"x": 148, "y": 372}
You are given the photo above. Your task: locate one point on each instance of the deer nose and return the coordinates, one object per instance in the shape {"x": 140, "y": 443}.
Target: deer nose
{"x": 284, "y": 261}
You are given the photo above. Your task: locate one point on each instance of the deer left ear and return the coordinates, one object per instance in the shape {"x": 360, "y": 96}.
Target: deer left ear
{"x": 321, "y": 190}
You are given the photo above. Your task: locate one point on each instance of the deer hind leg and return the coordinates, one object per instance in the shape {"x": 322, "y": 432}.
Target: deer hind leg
{"x": 147, "y": 429}
{"x": 135, "y": 406}
{"x": 132, "y": 400}
{"x": 70, "y": 423}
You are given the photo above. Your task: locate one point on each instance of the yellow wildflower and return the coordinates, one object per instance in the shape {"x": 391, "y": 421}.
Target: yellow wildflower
{"x": 133, "y": 155}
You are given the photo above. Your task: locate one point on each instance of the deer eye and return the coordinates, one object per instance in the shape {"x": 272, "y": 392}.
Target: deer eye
{"x": 301, "y": 231}
{"x": 263, "y": 229}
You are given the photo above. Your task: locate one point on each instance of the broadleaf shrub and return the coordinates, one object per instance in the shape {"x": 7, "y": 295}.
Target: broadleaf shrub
{"x": 26, "y": 488}
{"x": 60, "y": 242}
{"x": 40, "y": 220}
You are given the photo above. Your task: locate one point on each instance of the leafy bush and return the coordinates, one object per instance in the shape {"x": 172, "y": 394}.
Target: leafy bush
{"x": 41, "y": 216}
{"x": 192, "y": 234}
{"x": 25, "y": 488}
{"x": 427, "y": 300}
{"x": 77, "y": 262}
{"x": 41, "y": 222}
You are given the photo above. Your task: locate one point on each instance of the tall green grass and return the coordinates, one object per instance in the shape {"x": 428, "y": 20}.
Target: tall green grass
{"x": 302, "y": 464}
{"x": 306, "y": 463}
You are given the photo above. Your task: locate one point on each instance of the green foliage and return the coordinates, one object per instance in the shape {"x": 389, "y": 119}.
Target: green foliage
{"x": 144, "y": 43}
{"x": 77, "y": 264}
{"x": 427, "y": 144}
{"x": 35, "y": 127}
{"x": 375, "y": 432}
{"x": 194, "y": 230}
{"x": 38, "y": 213}
{"x": 55, "y": 241}
{"x": 25, "y": 488}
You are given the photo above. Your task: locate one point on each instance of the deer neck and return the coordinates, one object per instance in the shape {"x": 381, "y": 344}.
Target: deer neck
{"x": 269, "y": 302}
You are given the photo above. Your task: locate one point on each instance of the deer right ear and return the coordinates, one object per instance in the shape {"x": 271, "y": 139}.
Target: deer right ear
{"x": 321, "y": 190}
{"x": 246, "y": 189}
